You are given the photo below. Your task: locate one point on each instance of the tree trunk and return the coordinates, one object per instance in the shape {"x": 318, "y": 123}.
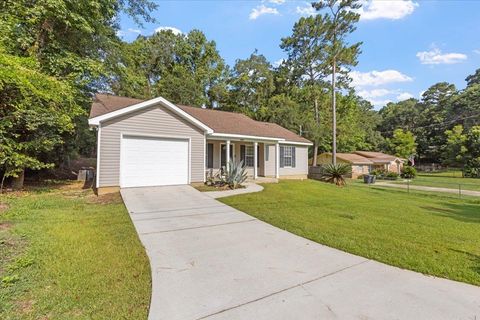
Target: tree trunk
{"x": 17, "y": 183}
{"x": 2, "y": 183}
{"x": 315, "y": 152}
{"x": 334, "y": 115}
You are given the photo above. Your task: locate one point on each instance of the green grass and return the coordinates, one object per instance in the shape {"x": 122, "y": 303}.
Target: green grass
{"x": 66, "y": 254}
{"x": 444, "y": 180}
{"x": 428, "y": 233}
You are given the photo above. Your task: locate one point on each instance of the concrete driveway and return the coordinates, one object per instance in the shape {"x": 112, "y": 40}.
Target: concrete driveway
{"x": 210, "y": 261}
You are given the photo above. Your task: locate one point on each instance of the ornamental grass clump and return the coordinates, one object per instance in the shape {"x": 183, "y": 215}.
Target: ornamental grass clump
{"x": 234, "y": 174}
{"x": 335, "y": 173}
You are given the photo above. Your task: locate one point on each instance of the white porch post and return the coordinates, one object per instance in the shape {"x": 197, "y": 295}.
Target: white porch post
{"x": 255, "y": 161}
{"x": 227, "y": 156}
{"x": 277, "y": 160}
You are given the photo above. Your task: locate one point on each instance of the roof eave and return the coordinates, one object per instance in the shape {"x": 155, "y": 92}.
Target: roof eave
{"x": 95, "y": 121}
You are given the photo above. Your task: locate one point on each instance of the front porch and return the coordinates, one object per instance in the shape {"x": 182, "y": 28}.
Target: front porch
{"x": 260, "y": 157}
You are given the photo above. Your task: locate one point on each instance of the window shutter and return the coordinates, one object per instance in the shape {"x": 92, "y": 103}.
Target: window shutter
{"x": 258, "y": 156}
{"x": 293, "y": 157}
{"x": 210, "y": 155}
{"x": 242, "y": 154}
{"x": 282, "y": 159}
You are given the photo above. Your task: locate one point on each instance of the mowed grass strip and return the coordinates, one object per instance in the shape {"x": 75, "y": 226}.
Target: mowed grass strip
{"x": 433, "y": 234}
{"x": 451, "y": 180}
{"x": 71, "y": 256}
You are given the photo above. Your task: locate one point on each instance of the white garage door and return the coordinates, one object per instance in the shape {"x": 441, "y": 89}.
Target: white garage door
{"x": 148, "y": 161}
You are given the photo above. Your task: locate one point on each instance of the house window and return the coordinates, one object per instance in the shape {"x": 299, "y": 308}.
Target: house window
{"x": 287, "y": 157}
{"x": 267, "y": 153}
{"x": 209, "y": 156}
{"x": 249, "y": 156}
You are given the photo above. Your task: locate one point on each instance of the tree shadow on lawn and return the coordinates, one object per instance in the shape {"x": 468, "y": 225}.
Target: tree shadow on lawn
{"x": 465, "y": 212}
{"x": 475, "y": 258}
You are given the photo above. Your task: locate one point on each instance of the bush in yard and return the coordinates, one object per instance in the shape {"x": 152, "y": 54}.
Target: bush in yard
{"x": 234, "y": 174}
{"x": 391, "y": 175}
{"x": 377, "y": 172}
{"x": 335, "y": 173}
{"x": 409, "y": 172}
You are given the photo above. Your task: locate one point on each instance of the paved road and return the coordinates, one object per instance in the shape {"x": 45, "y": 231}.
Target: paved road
{"x": 210, "y": 261}
{"x": 431, "y": 189}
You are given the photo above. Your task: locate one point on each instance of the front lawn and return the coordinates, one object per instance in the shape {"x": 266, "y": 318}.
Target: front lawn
{"x": 428, "y": 233}
{"x": 66, "y": 254}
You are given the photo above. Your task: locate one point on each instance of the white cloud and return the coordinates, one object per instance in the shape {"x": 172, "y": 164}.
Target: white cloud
{"x": 376, "y": 78}
{"x": 435, "y": 56}
{"x": 404, "y": 96}
{"x": 382, "y": 9}
{"x": 375, "y": 93}
{"x": 307, "y": 10}
{"x": 261, "y": 10}
{"x": 277, "y": 1}
{"x": 420, "y": 94}
{"x": 477, "y": 51}
{"x": 278, "y": 63}
{"x": 134, "y": 30}
{"x": 379, "y": 103}
{"x": 173, "y": 29}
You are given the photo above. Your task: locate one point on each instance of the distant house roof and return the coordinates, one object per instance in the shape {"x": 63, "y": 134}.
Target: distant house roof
{"x": 376, "y": 157}
{"x": 353, "y": 158}
{"x": 221, "y": 122}
{"x": 365, "y": 157}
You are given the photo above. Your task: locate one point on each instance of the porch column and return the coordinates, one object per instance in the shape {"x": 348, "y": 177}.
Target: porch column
{"x": 255, "y": 161}
{"x": 227, "y": 156}
{"x": 277, "y": 160}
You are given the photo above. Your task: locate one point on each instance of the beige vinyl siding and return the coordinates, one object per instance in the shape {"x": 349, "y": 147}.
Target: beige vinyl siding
{"x": 155, "y": 121}
{"x": 270, "y": 164}
{"x": 301, "y": 162}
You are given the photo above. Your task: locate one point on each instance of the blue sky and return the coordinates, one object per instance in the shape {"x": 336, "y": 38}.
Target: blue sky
{"x": 407, "y": 45}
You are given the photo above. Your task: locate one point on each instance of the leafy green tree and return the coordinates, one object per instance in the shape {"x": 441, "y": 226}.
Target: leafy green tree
{"x": 402, "y": 143}
{"x": 186, "y": 69}
{"x": 454, "y": 150}
{"x": 473, "y": 79}
{"x": 433, "y": 117}
{"x": 306, "y": 49}
{"x": 69, "y": 40}
{"x": 251, "y": 84}
{"x": 403, "y": 114}
{"x": 472, "y": 144}
{"x": 35, "y": 111}
{"x": 340, "y": 19}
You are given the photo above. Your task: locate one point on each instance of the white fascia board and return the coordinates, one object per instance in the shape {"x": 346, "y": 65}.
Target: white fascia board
{"x": 160, "y": 100}
{"x": 242, "y": 136}
{"x": 297, "y": 143}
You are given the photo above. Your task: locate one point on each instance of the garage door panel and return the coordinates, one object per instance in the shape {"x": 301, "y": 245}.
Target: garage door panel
{"x": 154, "y": 161}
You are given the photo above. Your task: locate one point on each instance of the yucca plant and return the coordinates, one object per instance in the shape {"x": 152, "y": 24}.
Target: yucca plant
{"x": 234, "y": 174}
{"x": 335, "y": 173}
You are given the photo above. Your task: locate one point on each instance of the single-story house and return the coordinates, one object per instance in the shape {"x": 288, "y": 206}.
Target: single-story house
{"x": 364, "y": 162}
{"x": 155, "y": 143}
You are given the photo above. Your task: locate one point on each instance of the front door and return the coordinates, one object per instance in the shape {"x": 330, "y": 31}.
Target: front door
{"x": 223, "y": 149}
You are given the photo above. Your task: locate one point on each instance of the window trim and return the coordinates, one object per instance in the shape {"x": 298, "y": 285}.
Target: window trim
{"x": 290, "y": 148}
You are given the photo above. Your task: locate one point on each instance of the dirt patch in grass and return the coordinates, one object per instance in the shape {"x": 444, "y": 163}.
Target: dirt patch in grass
{"x": 26, "y": 306}
{"x": 109, "y": 198}
{"x": 5, "y": 225}
{"x": 3, "y": 207}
